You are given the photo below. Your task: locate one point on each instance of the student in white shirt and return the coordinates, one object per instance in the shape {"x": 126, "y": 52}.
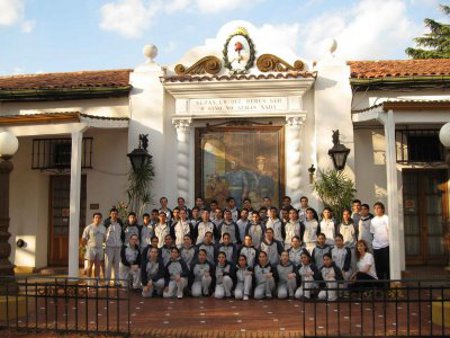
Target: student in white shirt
{"x": 379, "y": 227}
{"x": 327, "y": 226}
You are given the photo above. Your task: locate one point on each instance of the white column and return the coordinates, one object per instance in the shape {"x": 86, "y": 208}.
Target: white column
{"x": 75, "y": 192}
{"x": 293, "y": 157}
{"x": 395, "y": 241}
{"x": 183, "y": 127}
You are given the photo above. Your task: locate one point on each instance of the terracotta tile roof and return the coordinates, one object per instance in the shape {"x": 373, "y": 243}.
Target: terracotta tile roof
{"x": 399, "y": 104}
{"x": 201, "y": 78}
{"x": 399, "y": 68}
{"x": 84, "y": 79}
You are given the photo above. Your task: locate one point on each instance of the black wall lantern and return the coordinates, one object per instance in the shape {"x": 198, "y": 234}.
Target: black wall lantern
{"x": 339, "y": 152}
{"x": 139, "y": 156}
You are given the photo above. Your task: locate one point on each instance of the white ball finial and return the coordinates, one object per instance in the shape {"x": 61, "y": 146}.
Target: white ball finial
{"x": 8, "y": 144}
{"x": 332, "y": 45}
{"x": 150, "y": 52}
{"x": 444, "y": 135}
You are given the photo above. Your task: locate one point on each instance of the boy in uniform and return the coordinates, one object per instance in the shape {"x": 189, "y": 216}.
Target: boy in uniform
{"x": 93, "y": 238}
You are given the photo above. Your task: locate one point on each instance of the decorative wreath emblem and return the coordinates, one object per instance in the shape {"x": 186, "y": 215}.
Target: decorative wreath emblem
{"x": 239, "y": 52}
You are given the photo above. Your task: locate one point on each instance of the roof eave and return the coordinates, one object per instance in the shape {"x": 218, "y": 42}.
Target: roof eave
{"x": 50, "y": 94}
{"x": 423, "y": 82}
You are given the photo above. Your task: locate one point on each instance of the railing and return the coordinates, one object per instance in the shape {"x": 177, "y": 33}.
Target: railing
{"x": 67, "y": 305}
{"x": 405, "y": 308}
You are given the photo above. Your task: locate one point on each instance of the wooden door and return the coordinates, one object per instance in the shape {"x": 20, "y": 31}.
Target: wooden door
{"x": 59, "y": 214}
{"x": 425, "y": 198}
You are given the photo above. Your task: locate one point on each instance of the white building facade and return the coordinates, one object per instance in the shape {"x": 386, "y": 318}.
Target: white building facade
{"x": 230, "y": 107}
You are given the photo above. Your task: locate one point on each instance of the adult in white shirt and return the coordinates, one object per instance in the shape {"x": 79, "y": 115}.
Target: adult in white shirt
{"x": 365, "y": 266}
{"x": 379, "y": 227}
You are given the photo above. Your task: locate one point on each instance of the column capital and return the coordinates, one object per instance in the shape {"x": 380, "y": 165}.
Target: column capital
{"x": 182, "y": 124}
{"x": 295, "y": 120}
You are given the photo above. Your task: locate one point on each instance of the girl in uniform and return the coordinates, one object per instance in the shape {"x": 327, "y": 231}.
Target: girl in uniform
{"x": 330, "y": 274}
{"x": 152, "y": 274}
{"x": 228, "y": 247}
{"x": 292, "y": 228}
{"x": 244, "y": 279}
{"x": 176, "y": 276}
{"x": 349, "y": 232}
{"x": 265, "y": 277}
{"x": 327, "y": 226}
{"x": 256, "y": 230}
{"x": 225, "y": 277}
{"x": 287, "y": 277}
{"x": 188, "y": 251}
{"x": 295, "y": 250}
{"x": 249, "y": 251}
{"x": 309, "y": 275}
{"x": 312, "y": 229}
{"x": 201, "y": 275}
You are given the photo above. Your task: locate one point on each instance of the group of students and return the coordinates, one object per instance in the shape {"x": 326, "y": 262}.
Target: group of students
{"x": 267, "y": 253}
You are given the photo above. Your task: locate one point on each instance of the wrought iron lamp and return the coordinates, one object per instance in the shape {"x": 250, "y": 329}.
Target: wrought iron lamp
{"x": 339, "y": 152}
{"x": 8, "y": 147}
{"x": 139, "y": 157}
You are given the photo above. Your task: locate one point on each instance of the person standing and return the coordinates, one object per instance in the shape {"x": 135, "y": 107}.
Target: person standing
{"x": 379, "y": 227}
{"x": 292, "y": 228}
{"x": 303, "y": 207}
{"x": 327, "y": 226}
{"x": 181, "y": 228}
{"x": 113, "y": 245}
{"x": 93, "y": 238}
{"x": 273, "y": 222}
{"x": 364, "y": 226}
{"x": 162, "y": 229}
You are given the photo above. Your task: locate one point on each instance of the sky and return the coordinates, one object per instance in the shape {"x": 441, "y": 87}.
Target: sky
{"x": 39, "y": 36}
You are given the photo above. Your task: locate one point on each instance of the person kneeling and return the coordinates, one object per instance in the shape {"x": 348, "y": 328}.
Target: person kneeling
{"x": 287, "y": 283}
{"x": 309, "y": 275}
{"x": 330, "y": 274}
{"x": 225, "y": 277}
{"x": 244, "y": 279}
{"x": 130, "y": 262}
{"x": 152, "y": 274}
{"x": 265, "y": 277}
{"x": 201, "y": 276}
{"x": 176, "y": 276}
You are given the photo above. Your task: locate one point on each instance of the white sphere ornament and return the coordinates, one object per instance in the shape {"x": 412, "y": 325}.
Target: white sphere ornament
{"x": 8, "y": 144}
{"x": 150, "y": 52}
{"x": 444, "y": 135}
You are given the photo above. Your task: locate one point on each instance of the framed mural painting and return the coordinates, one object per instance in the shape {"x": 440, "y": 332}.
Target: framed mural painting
{"x": 240, "y": 161}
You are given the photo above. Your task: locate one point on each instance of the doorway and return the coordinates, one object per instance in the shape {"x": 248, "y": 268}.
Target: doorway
{"x": 425, "y": 198}
{"x": 59, "y": 214}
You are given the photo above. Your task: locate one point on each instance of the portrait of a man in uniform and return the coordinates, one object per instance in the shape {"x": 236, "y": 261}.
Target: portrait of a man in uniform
{"x": 237, "y": 183}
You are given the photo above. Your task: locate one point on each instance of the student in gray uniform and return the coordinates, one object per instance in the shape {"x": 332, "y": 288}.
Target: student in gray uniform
{"x": 349, "y": 232}
{"x": 249, "y": 251}
{"x": 230, "y": 227}
{"x": 295, "y": 250}
{"x": 166, "y": 249}
{"x": 244, "y": 278}
{"x": 328, "y": 226}
{"x": 176, "y": 276}
{"x": 203, "y": 227}
{"x": 356, "y": 211}
{"x": 175, "y": 217}
{"x": 229, "y": 248}
{"x": 152, "y": 274}
{"x": 292, "y": 228}
{"x": 181, "y": 228}
{"x": 287, "y": 277}
{"x": 162, "y": 229}
{"x": 195, "y": 217}
{"x": 320, "y": 249}
{"x": 312, "y": 229}
{"x": 265, "y": 278}
{"x": 188, "y": 251}
{"x": 113, "y": 246}
{"x": 263, "y": 215}
{"x": 218, "y": 219}
{"x": 164, "y": 208}
{"x": 272, "y": 248}
{"x": 342, "y": 257}
{"x": 309, "y": 277}
{"x": 202, "y": 275}
{"x": 209, "y": 247}
{"x": 273, "y": 222}
{"x": 364, "y": 226}
{"x": 147, "y": 232}
{"x": 302, "y": 210}
{"x": 256, "y": 230}
{"x": 330, "y": 274}
{"x": 129, "y": 267}
{"x": 93, "y": 238}
{"x": 131, "y": 227}
{"x": 242, "y": 223}
{"x": 231, "y": 206}
{"x": 225, "y": 277}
